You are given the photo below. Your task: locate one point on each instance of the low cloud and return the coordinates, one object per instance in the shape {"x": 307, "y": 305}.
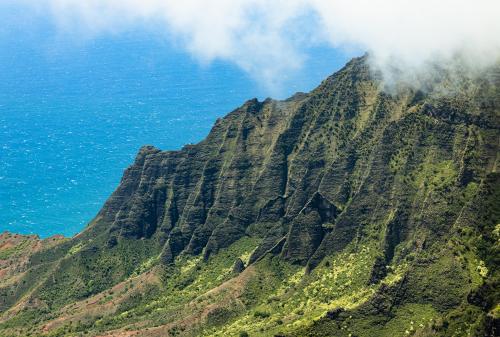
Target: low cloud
{"x": 268, "y": 38}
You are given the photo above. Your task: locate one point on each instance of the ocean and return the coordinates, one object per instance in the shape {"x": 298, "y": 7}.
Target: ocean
{"x": 73, "y": 114}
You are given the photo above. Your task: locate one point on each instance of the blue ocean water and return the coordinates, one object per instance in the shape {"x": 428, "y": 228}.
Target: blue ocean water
{"x": 74, "y": 113}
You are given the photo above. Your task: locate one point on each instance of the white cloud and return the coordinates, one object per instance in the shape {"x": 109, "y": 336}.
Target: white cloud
{"x": 254, "y": 34}
{"x": 412, "y": 35}
{"x": 267, "y": 37}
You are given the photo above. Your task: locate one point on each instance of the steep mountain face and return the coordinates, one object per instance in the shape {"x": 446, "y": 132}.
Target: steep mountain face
{"x": 348, "y": 211}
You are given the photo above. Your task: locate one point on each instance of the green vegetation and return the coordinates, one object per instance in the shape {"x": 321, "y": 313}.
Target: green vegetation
{"x": 15, "y": 250}
{"x": 345, "y": 212}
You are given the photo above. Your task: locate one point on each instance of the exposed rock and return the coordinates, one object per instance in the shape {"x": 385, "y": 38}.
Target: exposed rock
{"x": 238, "y": 266}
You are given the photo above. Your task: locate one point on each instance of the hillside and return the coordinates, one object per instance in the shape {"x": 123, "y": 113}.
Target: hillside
{"x": 347, "y": 211}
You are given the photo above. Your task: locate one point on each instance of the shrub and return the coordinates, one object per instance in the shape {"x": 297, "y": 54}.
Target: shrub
{"x": 261, "y": 314}
{"x": 219, "y": 316}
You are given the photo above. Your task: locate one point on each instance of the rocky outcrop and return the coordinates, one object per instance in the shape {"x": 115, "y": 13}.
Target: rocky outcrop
{"x": 238, "y": 266}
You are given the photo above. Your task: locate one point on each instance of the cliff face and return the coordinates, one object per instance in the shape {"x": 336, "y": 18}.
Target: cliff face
{"x": 402, "y": 186}
{"x": 310, "y": 172}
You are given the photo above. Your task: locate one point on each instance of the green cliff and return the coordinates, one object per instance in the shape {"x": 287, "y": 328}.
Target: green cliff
{"x": 348, "y": 211}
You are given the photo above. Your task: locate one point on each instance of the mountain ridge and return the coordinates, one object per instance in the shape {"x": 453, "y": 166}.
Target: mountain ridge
{"x": 351, "y": 201}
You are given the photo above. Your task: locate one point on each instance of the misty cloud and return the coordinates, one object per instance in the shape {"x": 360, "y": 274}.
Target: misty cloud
{"x": 269, "y": 38}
